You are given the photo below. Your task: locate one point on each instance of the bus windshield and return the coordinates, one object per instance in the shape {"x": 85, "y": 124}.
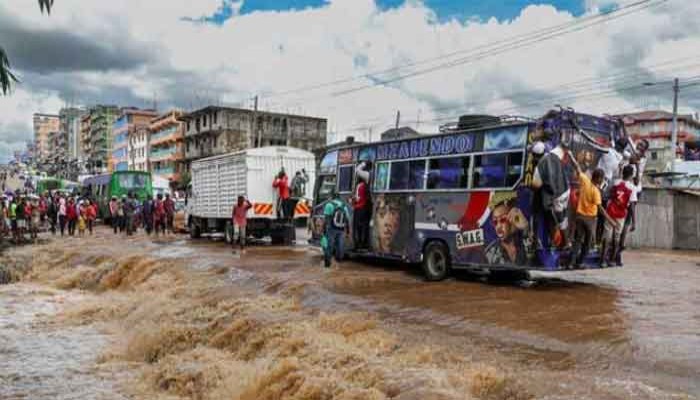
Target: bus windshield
{"x": 133, "y": 181}
{"x": 326, "y": 184}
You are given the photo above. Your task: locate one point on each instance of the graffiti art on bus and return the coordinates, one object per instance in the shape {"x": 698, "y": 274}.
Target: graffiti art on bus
{"x": 510, "y": 227}
{"x": 392, "y": 222}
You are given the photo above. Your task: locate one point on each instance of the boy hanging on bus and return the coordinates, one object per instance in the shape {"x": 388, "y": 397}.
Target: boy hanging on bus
{"x": 552, "y": 185}
{"x": 590, "y": 205}
{"x": 618, "y": 205}
{"x": 362, "y": 209}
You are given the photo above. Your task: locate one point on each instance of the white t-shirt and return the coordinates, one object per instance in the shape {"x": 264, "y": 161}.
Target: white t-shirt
{"x": 610, "y": 164}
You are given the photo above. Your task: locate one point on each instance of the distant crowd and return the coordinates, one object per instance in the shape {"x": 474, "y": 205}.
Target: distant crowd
{"x": 25, "y": 215}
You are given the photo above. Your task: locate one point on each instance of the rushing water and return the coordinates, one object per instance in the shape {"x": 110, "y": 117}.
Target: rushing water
{"x": 632, "y": 332}
{"x": 39, "y": 360}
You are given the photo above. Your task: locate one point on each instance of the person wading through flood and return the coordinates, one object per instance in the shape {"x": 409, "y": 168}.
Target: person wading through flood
{"x": 71, "y": 216}
{"x": 590, "y": 205}
{"x": 362, "y": 210}
{"x": 62, "y": 214}
{"x": 159, "y": 215}
{"x": 169, "y": 205}
{"x": 129, "y": 208}
{"x": 147, "y": 215}
{"x": 91, "y": 215}
{"x": 114, "y": 213}
{"x": 240, "y": 220}
{"x": 335, "y": 228}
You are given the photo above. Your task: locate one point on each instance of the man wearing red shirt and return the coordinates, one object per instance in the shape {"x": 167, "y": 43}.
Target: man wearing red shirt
{"x": 618, "y": 204}
{"x": 361, "y": 210}
{"x": 281, "y": 183}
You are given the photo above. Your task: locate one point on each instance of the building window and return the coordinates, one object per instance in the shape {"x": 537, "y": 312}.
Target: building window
{"x": 204, "y": 121}
{"x": 215, "y": 117}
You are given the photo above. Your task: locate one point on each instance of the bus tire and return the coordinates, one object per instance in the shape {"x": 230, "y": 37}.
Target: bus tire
{"x": 228, "y": 232}
{"x": 436, "y": 261}
{"x": 195, "y": 230}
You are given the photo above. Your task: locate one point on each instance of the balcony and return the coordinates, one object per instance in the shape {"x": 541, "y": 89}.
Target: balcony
{"x": 164, "y": 171}
{"x": 164, "y": 153}
{"x": 170, "y": 134}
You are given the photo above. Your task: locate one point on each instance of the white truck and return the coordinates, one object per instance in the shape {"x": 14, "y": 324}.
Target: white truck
{"x": 218, "y": 181}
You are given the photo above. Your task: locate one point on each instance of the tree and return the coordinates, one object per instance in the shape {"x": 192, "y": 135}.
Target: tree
{"x": 6, "y": 75}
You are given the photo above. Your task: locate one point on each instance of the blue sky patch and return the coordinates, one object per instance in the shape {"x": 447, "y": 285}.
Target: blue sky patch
{"x": 445, "y": 9}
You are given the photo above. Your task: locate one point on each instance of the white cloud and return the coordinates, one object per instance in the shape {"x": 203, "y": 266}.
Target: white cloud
{"x": 267, "y": 52}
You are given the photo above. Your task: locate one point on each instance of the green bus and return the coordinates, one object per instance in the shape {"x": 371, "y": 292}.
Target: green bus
{"x": 52, "y": 184}
{"x": 101, "y": 188}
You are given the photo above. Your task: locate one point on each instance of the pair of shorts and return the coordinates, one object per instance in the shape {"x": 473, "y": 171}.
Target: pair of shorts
{"x": 611, "y": 232}
{"x": 21, "y": 224}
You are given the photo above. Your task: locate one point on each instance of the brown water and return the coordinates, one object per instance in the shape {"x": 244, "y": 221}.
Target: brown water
{"x": 622, "y": 333}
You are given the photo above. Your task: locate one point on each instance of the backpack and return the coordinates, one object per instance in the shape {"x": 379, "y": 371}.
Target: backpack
{"x": 339, "y": 219}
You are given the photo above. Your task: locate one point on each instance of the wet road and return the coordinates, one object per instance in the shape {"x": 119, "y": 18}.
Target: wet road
{"x": 630, "y": 332}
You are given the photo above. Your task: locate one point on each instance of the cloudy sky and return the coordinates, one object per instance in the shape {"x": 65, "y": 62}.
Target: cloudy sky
{"x": 355, "y": 62}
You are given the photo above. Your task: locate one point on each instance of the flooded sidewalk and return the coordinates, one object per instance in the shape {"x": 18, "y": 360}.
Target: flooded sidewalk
{"x": 206, "y": 322}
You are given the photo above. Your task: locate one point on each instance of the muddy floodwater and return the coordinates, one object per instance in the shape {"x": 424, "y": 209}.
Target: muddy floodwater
{"x": 142, "y": 318}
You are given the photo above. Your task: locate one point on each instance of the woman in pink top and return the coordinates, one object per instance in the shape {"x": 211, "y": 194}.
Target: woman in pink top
{"x": 240, "y": 216}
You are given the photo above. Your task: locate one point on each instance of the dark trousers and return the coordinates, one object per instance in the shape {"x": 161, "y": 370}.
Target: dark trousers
{"x": 71, "y": 227}
{"x": 360, "y": 228}
{"x": 584, "y": 237}
{"x": 335, "y": 246}
{"x": 52, "y": 224}
{"x": 62, "y": 223}
{"x": 90, "y": 222}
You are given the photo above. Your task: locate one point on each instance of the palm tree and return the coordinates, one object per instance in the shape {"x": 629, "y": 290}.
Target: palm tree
{"x": 6, "y": 75}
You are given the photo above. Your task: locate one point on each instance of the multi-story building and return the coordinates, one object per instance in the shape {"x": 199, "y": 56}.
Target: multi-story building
{"x": 130, "y": 139}
{"x": 70, "y": 118}
{"x": 102, "y": 119}
{"x": 219, "y": 130}
{"x": 85, "y": 129}
{"x": 44, "y": 124}
{"x": 166, "y": 148}
{"x": 656, "y": 127}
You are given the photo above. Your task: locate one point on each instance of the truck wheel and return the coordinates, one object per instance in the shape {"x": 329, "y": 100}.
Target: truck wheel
{"x": 436, "y": 261}
{"x": 228, "y": 232}
{"x": 195, "y": 230}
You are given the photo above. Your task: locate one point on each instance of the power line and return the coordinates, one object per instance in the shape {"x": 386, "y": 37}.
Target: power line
{"x": 520, "y": 43}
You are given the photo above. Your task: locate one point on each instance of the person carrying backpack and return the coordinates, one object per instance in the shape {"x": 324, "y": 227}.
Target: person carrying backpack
{"x": 335, "y": 228}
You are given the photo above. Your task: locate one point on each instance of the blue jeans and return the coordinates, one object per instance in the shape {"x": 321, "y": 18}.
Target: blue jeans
{"x": 335, "y": 246}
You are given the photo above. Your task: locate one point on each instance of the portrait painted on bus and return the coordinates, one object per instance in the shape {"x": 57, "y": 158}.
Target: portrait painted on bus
{"x": 510, "y": 227}
{"x": 391, "y": 224}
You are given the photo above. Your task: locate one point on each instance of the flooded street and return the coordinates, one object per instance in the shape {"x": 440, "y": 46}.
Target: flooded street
{"x": 194, "y": 313}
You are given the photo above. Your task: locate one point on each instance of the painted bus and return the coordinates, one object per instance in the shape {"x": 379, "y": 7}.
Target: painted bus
{"x": 46, "y": 184}
{"x": 463, "y": 198}
{"x": 101, "y": 188}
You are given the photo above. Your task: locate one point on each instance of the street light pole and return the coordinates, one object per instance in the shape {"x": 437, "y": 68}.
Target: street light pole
{"x": 674, "y": 132}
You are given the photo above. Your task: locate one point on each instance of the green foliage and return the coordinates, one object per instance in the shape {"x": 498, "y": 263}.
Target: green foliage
{"x": 6, "y": 75}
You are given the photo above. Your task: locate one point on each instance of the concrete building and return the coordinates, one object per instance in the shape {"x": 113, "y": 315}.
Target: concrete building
{"x": 70, "y": 118}
{"x": 219, "y": 130}
{"x": 656, "y": 127}
{"x": 44, "y": 124}
{"x": 85, "y": 130}
{"x": 167, "y": 147}
{"x": 129, "y": 139}
{"x": 102, "y": 119}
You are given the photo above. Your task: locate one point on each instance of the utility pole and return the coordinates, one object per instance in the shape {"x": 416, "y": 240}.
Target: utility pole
{"x": 674, "y": 132}
{"x": 398, "y": 118}
{"x": 256, "y": 131}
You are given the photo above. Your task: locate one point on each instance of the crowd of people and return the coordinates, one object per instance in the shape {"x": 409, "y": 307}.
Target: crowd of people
{"x": 155, "y": 216}
{"x": 25, "y": 215}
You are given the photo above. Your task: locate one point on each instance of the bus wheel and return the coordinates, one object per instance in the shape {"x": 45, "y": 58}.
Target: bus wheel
{"x": 195, "y": 231}
{"x": 436, "y": 261}
{"x": 228, "y": 232}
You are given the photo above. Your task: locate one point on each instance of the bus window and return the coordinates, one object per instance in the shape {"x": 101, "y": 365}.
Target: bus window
{"x": 381, "y": 178}
{"x": 407, "y": 175}
{"x": 326, "y": 184}
{"x": 448, "y": 173}
{"x": 132, "y": 181}
{"x": 346, "y": 175}
{"x": 515, "y": 168}
{"x": 497, "y": 170}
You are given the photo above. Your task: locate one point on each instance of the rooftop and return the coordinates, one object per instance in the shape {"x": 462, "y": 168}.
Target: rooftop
{"x": 208, "y": 109}
{"x": 657, "y": 115}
